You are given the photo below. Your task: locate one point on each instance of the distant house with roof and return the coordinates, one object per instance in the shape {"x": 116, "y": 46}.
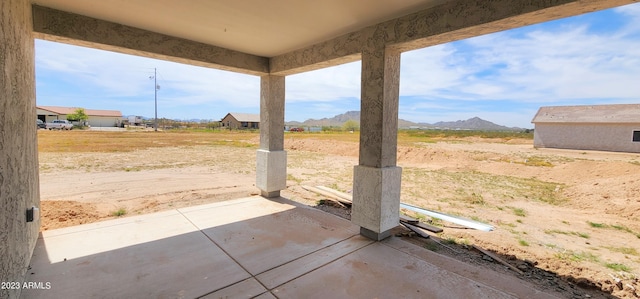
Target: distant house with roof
{"x": 97, "y": 118}
{"x": 593, "y": 127}
{"x": 235, "y": 120}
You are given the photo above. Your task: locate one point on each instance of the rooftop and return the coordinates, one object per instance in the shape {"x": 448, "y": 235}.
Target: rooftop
{"x": 622, "y": 113}
{"x": 89, "y": 112}
{"x": 249, "y": 248}
{"x": 242, "y": 117}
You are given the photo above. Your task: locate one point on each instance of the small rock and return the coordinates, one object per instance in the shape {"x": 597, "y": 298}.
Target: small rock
{"x": 523, "y": 267}
{"x": 585, "y": 283}
{"x": 531, "y": 263}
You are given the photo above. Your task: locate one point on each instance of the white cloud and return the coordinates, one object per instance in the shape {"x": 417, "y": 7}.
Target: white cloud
{"x": 548, "y": 66}
{"x": 117, "y": 75}
{"x": 325, "y": 85}
{"x": 425, "y": 71}
{"x": 559, "y": 64}
{"x": 632, "y": 25}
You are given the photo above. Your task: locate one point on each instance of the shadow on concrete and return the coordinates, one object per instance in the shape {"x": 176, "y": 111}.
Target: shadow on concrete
{"x": 185, "y": 253}
{"x": 245, "y": 248}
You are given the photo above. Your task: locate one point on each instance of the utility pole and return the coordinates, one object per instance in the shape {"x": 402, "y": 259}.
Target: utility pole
{"x": 155, "y": 97}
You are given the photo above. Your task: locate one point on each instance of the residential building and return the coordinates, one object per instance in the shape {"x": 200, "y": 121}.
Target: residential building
{"x": 591, "y": 127}
{"x": 97, "y": 118}
{"x": 235, "y": 120}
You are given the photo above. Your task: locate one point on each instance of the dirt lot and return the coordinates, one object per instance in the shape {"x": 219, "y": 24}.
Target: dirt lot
{"x": 570, "y": 220}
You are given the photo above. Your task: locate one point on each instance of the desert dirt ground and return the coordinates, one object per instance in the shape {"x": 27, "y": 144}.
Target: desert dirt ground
{"x": 569, "y": 220}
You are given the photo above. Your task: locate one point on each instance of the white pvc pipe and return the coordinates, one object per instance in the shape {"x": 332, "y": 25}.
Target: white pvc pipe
{"x": 453, "y": 219}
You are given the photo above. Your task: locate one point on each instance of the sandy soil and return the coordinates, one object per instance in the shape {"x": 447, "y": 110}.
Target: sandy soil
{"x": 570, "y": 220}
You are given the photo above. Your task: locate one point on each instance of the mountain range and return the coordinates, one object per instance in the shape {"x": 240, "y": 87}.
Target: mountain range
{"x": 474, "y": 123}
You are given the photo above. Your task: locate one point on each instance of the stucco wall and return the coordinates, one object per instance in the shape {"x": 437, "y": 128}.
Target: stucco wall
{"x": 19, "y": 185}
{"x": 94, "y": 121}
{"x": 104, "y": 121}
{"x": 230, "y": 122}
{"x": 603, "y": 137}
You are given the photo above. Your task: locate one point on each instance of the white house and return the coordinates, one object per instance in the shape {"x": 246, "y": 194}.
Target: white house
{"x": 97, "y": 118}
{"x": 592, "y": 127}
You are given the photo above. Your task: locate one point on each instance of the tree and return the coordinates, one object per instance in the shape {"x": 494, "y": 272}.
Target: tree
{"x": 213, "y": 125}
{"x": 79, "y": 115}
{"x": 350, "y": 125}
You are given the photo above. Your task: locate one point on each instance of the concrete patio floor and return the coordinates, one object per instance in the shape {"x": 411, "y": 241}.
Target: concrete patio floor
{"x": 249, "y": 248}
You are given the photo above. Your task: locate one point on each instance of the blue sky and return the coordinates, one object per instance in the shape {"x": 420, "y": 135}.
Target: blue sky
{"x": 502, "y": 77}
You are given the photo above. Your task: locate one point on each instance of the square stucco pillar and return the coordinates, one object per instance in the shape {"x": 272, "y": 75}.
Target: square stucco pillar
{"x": 19, "y": 181}
{"x": 376, "y": 192}
{"x": 271, "y": 159}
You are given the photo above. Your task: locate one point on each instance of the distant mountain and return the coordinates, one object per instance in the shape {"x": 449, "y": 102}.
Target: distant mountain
{"x": 337, "y": 120}
{"x": 474, "y": 123}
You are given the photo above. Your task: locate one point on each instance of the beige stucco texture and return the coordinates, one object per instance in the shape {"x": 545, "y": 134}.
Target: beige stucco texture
{"x": 271, "y": 159}
{"x": 376, "y": 199}
{"x": 376, "y": 183}
{"x": 600, "y": 137}
{"x": 19, "y": 184}
{"x": 271, "y": 172}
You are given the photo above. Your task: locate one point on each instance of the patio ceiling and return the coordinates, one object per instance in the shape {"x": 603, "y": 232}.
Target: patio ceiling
{"x": 284, "y": 37}
{"x": 258, "y": 27}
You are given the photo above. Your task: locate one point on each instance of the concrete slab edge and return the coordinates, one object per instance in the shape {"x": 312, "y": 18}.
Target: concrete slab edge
{"x": 505, "y": 283}
{"x": 106, "y": 224}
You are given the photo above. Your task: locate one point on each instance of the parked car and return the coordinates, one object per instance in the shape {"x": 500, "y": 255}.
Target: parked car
{"x": 60, "y": 124}
{"x": 296, "y": 130}
{"x": 40, "y": 124}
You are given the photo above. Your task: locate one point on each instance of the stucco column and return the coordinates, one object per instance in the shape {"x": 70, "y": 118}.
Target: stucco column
{"x": 376, "y": 193}
{"x": 271, "y": 159}
{"x": 19, "y": 185}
